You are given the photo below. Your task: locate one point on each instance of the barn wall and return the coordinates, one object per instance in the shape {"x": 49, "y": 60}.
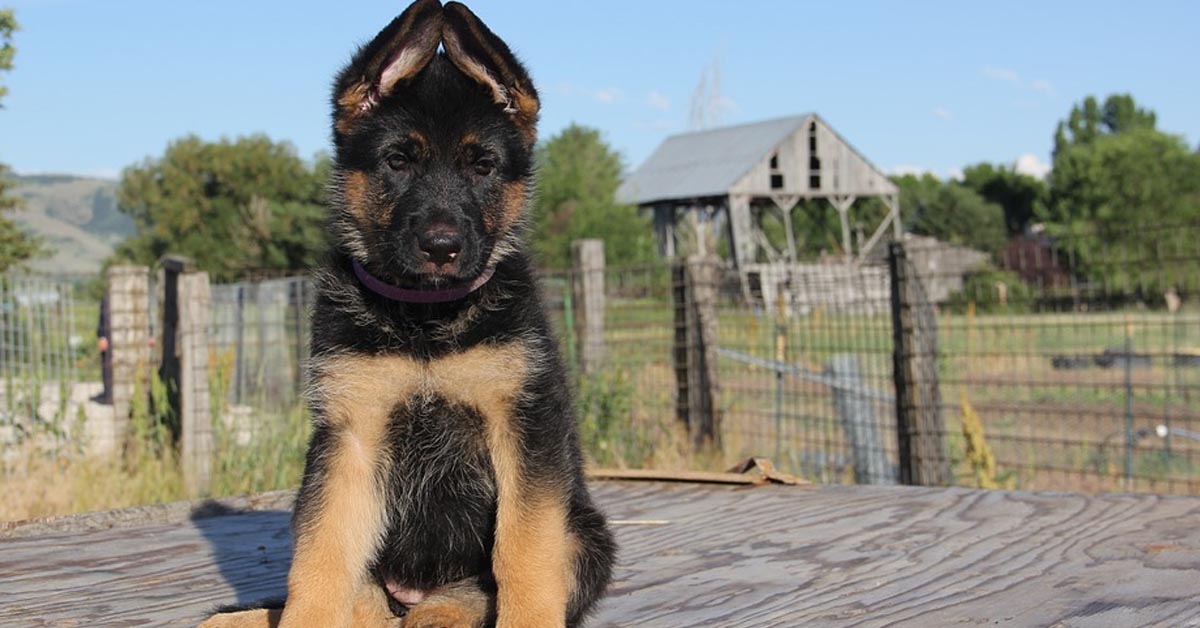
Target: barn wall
{"x": 793, "y": 162}
{"x": 843, "y": 171}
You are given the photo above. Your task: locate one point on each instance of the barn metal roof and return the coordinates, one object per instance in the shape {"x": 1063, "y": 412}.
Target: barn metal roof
{"x": 705, "y": 163}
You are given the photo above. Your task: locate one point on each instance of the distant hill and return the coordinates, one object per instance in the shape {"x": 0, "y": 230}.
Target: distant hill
{"x": 76, "y": 217}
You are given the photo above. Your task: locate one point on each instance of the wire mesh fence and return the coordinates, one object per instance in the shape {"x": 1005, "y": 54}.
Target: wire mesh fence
{"x": 1060, "y": 363}
{"x": 806, "y": 370}
{"x": 259, "y": 342}
{"x": 40, "y": 352}
{"x": 1077, "y": 363}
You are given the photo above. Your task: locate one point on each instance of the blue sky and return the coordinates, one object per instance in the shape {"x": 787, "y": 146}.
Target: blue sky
{"x": 101, "y": 84}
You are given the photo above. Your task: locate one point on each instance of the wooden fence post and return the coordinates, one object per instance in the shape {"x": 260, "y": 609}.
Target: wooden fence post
{"x": 695, "y": 351}
{"x": 129, "y": 343}
{"x": 588, "y": 288}
{"x": 171, "y": 268}
{"x": 195, "y": 418}
{"x": 920, "y": 430}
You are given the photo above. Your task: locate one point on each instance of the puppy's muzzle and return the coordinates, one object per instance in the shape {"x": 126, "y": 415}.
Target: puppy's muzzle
{"x": 441, "y": 244}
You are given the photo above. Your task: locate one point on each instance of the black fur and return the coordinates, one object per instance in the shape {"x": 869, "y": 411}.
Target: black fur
{"x": 440, "y": 485}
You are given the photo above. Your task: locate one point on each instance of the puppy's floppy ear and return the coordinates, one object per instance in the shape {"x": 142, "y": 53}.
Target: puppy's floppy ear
{"x": 398, "y": 52}
{"x": 483, "y": 56}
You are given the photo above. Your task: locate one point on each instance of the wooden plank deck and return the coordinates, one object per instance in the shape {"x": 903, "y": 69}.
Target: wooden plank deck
{"x": 726, "y": 556}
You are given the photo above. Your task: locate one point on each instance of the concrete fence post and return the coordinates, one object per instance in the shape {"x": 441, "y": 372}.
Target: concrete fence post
{"x": 195, "y": 416}
{"x": 128, "y": 289}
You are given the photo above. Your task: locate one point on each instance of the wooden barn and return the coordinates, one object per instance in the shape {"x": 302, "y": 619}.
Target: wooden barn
{"x": 727, "y": 176}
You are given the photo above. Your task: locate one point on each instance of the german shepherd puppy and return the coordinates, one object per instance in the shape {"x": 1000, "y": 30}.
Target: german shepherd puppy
{"x": 444, "y": 483}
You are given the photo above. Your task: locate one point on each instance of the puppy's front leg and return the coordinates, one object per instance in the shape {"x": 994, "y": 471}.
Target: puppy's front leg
{"x": 531, "y": 561}
{"x": 341, "y": 513}
{"x": 531, "y": 555}
{"x": 338, "y": 527}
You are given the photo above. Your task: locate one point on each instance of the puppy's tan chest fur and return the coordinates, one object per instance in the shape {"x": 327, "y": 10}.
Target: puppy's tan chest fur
{"x": 358, "y": 394}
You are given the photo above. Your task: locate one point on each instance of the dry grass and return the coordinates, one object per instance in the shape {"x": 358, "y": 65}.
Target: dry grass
{"x": 36, "y": 483}
{"x": 43, "y": 486}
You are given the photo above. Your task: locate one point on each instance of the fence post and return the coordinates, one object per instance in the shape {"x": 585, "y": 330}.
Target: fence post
{"x": 194, "y": 303}
{"x": 129, "y": 343}
{"x": 920, "y": 431}
{"x": 588, "y": 261}
{"x": 695, "y": 351}
{"x": 171, "y": 267}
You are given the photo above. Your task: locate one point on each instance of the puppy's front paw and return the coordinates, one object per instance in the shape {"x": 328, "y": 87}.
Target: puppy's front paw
{"x": 257, "y": 618}
{"x": 442, "y": 614}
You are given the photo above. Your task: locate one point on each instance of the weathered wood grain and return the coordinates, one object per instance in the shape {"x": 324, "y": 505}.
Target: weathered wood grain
{"x": 727, "y": 556}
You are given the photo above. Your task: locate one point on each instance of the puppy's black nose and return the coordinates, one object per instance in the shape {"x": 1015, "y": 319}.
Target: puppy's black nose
{"x": 441, "y": 245}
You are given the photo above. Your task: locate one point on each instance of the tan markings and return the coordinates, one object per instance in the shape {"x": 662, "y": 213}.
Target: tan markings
{"x": 527, "y": 114}
{"x": 351, "y": 104}
{"x": 457, "y": 605}
{"x": 488, "y": 377}
{"x": 574, "y": 553}
{"x": 371, "y": 609}
{"x": 531, "y": 557}
{"x": 335, "y": 547}
{"x": 257, "y": 618}
{"x": 357, "y": 192}
{"x": 512, "y": 204}
{"x": 419, "y": 139}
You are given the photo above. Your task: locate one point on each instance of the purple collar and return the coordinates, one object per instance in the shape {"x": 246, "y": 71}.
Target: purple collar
{"x": 411, "y": 295}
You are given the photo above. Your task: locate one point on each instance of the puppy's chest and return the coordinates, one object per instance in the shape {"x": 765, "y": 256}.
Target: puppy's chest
{"x": 462, "y": 398}
{"x": 431, "y": 426}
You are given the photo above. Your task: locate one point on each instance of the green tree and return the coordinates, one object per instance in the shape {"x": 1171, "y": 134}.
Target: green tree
{"x": 1120, "y": 187}
{"x": 1020, "y": 195}
{"x": 579, "y": 174}
{"x": 233, "y": 206}
{"x": 8, "y": 26}
{"x": 1089, "y": 120}
{"x": 15, "y": 244}
{"x": 952, "y": 212}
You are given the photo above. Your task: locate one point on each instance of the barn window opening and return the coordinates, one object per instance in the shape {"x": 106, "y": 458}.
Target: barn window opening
{"x": 814, "y": 162}
{"x": 776, "y": 174}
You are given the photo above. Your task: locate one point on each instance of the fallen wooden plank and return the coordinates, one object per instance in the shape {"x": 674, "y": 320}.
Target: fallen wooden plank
{"x": 749, "y": 471}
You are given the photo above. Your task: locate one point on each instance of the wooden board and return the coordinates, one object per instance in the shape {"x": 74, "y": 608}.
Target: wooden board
{"x": 714, "y": 556}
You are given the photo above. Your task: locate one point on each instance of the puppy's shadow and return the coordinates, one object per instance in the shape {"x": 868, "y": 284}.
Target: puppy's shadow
{"x": 251, "y": 550}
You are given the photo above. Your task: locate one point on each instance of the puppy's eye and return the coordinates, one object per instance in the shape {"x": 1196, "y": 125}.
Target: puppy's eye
{"x": 484, "y": 166}
{"x": 398, "y": 161}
